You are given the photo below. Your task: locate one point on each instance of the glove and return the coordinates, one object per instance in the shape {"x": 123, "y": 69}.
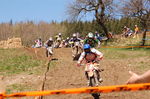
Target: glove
{"x": 99, "y": 58}
{"x": 78, "y": 65}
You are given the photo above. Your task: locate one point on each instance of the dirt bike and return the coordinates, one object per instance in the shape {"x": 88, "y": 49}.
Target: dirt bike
{"x": 49, "y": 52}
{"x": 57, "y": 44}
{"x": 93, "y": 76}
{"x": 76, "y": 50}
{"x": 66, "y": 44}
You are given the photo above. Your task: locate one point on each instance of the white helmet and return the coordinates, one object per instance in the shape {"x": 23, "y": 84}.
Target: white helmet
{"x": 90, "y": 35}
{"x": 50, "y": 38}
{"x": 59, "y": 33}
{"x": 67, "y": 38}
{"x": 74, "y": 35}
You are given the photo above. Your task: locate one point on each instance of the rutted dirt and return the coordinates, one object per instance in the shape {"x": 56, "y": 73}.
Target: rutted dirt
{"x": 67, "y": 75}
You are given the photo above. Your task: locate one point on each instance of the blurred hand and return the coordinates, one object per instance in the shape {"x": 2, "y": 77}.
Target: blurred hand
{"x": 99, "y": 58}
{"x": 133, "y": 79}
{"x": 78, "y": 65}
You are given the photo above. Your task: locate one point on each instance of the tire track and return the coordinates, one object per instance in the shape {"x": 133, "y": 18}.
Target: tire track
{"x": 45, "y": 77}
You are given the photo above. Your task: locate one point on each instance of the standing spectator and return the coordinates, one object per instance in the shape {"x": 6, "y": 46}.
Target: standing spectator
{"x": 136, "y": 31}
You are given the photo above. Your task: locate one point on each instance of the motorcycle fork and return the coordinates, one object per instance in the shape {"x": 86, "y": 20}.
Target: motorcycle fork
{"x": 96, "y": 76}
{"x": 77, "y": 49}
{"x": 46, "y": 53}
{"x": 86, "y": 75}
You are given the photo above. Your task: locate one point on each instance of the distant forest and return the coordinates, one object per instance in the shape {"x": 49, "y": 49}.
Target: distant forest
{"x": 29, "y": 31}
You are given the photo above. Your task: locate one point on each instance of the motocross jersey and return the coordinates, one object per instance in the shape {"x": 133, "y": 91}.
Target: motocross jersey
{"x": 49, "y": 43}
{"x": 75, "y": 40}
{"x": 91, "y": 41}
{"x": 90, "y": 57}
{"x": 38, "y": 43}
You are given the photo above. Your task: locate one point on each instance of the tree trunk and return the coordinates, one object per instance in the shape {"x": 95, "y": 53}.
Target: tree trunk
{"x": 144, "y": 37}
{"x": 105, "y": 29}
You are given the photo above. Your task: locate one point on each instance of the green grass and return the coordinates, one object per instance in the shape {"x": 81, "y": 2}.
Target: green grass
{"x": 130, "y": 41}
{"x": 18, "y": 88}
{"x": 15, "y": 61}
{"x": 124, "y": 53}
{"x": 139, "y": 57}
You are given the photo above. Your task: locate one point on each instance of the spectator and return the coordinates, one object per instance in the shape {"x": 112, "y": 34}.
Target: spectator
{"x": 135, "y": 78}
{"x": 136, "y": 31}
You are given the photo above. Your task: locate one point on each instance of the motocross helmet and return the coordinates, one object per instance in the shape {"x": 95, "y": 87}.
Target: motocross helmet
{"x": 59, "y": 34}
{"x": 67, "y": 38}
{"x": 51, "y": 39}
{"x": 90, "y": 35}
{"x": 87, "y": 48}
{"x": 74, "y": 35}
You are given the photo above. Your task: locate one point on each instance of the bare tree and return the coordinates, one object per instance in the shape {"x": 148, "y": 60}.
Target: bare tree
{"x": 141, "y": 10}
{"x": 101, "y": 9}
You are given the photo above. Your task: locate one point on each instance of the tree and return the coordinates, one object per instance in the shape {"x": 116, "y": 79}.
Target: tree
{"x": 141, "y": 10}
{"x": 102, "y": 10}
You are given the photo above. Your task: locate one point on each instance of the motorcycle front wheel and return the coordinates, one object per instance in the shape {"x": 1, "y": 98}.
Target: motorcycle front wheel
{"x": 92, "y": 84}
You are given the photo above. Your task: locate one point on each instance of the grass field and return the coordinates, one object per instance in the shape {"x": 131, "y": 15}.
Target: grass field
{"x": 15, "y": 61}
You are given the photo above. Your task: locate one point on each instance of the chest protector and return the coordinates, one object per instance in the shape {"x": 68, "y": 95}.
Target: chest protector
{"x": 49, "y": 43}
{"x": 90, "y": 57}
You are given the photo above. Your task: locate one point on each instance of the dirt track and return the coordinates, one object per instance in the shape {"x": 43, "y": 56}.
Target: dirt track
{"x": 65, "y": 74}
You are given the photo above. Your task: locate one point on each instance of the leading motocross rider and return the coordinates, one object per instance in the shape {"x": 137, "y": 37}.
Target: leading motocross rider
{"x": 90, "y": 55}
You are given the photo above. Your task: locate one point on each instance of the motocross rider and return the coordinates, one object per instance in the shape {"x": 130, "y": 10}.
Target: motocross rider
{"x": 74, "y": 39}
{"x": 49, "y": 46}
{"x": 91, "y": 40}
{"x": 38, "y": 43}
{"x": 58, "y": 40}
{"x": 90, "y": 55}
{"x": 67, "y": 42}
